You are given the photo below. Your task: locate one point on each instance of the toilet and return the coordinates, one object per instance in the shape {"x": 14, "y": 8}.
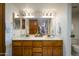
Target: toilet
{"x": 75, "y": 48}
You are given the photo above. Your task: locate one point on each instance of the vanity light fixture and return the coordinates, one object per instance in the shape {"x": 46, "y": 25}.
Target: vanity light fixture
{"x": 28, "y": 11}
{"x": 44, "y": 13}
{"x": 49, "y": 12}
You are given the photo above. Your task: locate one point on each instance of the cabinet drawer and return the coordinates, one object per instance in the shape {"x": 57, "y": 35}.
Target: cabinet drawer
{"x": 50, "y": 43}
{"x": 16, "y": 43}
{"x": 47, "y": 43}
{"x": 37, "y": 43}
{"x": 37, "y": 49}
{"x": 37, "y": 54}
{"x": 57, "y": 43}
{"x": 27, "y": 43}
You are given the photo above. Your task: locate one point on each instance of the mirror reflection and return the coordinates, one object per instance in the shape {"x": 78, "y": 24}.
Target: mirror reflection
{"x": 16, "y": 23}
{"x": 39, "y": 26}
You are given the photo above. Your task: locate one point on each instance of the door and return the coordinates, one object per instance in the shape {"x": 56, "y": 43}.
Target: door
{"x": 33, "y": 26}
{"x": 2, "y": 30}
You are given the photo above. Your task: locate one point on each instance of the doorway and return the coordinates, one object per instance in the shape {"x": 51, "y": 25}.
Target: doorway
{"x": 75, "y": 29}
{"x": 2, "y": 29}
{"x": 33, "y": 26}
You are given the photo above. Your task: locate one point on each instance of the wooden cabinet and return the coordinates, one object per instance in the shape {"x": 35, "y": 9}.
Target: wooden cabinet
{"x": 2, "y": 29}
{"x": 37, "y": 47}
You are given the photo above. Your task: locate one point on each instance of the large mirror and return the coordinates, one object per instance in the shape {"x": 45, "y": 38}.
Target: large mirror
{"x": 34, "y": 26}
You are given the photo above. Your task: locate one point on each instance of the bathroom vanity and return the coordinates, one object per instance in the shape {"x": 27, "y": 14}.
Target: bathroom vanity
{"x": 35, "y": 37}
{"x": 37, "y": 47}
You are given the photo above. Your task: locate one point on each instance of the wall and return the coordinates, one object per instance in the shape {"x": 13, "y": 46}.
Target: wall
{"x": 63, "y": 17}
{"x": 66, "y": 29}
{"x": 75, "y": 22}
{"x": 9, "y": 9}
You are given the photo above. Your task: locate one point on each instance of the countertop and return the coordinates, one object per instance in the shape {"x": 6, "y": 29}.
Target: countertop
{"x": 37, "y": 38}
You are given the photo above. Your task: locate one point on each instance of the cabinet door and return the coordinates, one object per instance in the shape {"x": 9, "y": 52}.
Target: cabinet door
{"x": 27, "y": 51}
{"x": 47, "y": 51}
{"x": 57, "y": 51}
{"x": 17, "y": 51}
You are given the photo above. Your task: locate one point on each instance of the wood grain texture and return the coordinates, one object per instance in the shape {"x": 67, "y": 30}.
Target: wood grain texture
{"x": 2, "y": 29}
{"x": 17, "y": 51}
{"x": 27, "y": 51}
{"x": 38, "y": 47}
{"x": 37, "y": 43}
